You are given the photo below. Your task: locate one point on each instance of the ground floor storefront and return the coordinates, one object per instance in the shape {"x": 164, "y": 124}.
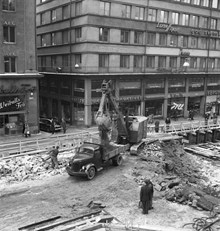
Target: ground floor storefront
{"x": 76, "y": 98}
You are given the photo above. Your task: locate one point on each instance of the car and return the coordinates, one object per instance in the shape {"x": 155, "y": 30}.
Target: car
{"x": 45, "y": 125}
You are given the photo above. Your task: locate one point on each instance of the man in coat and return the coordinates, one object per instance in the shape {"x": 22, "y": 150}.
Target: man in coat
{"x": 146, "y": 196}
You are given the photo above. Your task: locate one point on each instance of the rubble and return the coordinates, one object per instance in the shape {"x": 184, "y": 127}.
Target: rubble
{"x": 22, "y": 168}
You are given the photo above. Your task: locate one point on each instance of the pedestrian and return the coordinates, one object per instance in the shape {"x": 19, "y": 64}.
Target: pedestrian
{"x": 26, "y": 130}
{"x": 157, "y": 125}
{"x": 191, "y": 115}
{"x": 215, "y": 118}
{"x": 52, "y": 126}
{"x": 206, "y": 118}
{"x": 146, "y": 196}
{"x": 63, "y": 124}
{"x": 167, "y": 122}
{"x": 53, "y": 155}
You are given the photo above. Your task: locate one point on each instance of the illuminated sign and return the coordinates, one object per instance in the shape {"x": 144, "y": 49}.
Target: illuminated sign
{"x": 12, "y": 103}
{"x": 166, "y": 27}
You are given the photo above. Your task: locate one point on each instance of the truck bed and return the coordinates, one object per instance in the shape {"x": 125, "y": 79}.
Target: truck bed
{"x": 113, "y": 150}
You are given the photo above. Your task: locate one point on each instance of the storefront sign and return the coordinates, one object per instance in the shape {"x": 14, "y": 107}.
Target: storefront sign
{"x": 130, "y": 98}
{"x": 177, "y": 106}
{"x": 184, "y": 54}
{"x": 12, "y": 103}
{"x": 167, "y": 27}
{"x": 204, "y": 33}
{"x": 213, "y": 92}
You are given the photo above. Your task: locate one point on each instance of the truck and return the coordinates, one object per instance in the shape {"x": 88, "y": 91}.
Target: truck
{"x": 91, "y": 158}
{"x": 117, "y": 134}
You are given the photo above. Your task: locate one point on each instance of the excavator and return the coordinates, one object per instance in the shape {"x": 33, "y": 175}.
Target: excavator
{"x": 115, "y": 127}
{"x": 117, "y": 133}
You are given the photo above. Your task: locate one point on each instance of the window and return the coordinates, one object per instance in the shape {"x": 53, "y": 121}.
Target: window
{"x": 202, "y": 64}
{"x": 214, "y": 3}
{"x": 65, "y": 12}
{"x": 185, "y": 1}
{"x": 65, "y": 37}
{"x": 195, "y": 2}
{"x": 53, "y": 15}
{"x": 218, "y": 44}
{"x": 174, "y": 40}
{"x": 9, "y": 34}
{"x": 211, "y": 63}
{"x": 212, "y": 43}
{"x": 162, "y": 62}
{"x": 8, "y": 5}
{"x": 43, "y": 18}
{"x": 194, "y": 21}
{"x": 138, "y": 37}
{"x": 203, "y": 22}
{"x": 78, "y": 59}
{"x": 150, "y": 62}
{"x": 218, "y": 63}
{"x": 175, "y": 18}
{"x": 65, "y": 60}
{"x": 137, "y": 61}
{"x": 9, "y": 63}
{"x": 151, "y": 38}
{"x": 173, "y": 62}
{"x": 184, "y": 41}
{"x": 104, "y": 8}
{"x": 203, "y": 43}
{"x": 185, "y": 19}
{"x": 163, "y": 16}
{"x": 78, "y": 8}
{"x": 78, "y": 33}
{"x": 213, "y": 24}
{"x": 193, "y": 62}
{"x": 125, "y": 36}
{"x": 43, "y": 40}
{"x": 124, "y": 61}
{"x": 103, "y": 60}
{"x": 103, "y": 34}
{"x": 139, "y": 13}
{"x": 152, "y": 15}
{"x": 194, "y": 42}
{"x": 53, "y": 61}
{"x": 126, "y": 11}
{"x": 162, "y": 39}
{"x": 205, "y": 3}
{"x": 53, "y": 39}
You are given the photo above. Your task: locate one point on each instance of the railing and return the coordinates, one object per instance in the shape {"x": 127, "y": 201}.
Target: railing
{"x": 34, "y": 146}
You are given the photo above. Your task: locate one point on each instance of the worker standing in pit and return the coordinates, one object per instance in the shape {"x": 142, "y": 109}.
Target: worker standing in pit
{"x": 53, "y": 155}
{"x": 146, "y": 196}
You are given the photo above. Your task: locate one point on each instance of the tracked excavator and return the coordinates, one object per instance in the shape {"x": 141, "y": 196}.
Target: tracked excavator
{"x": 116, "y": 133}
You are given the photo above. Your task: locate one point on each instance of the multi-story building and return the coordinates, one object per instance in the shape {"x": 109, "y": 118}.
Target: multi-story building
{"x": 18, "y": 75}
{"x": 161, "y": 56}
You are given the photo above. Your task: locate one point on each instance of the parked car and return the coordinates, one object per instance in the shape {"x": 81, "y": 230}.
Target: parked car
{"x": 45, "y": 125}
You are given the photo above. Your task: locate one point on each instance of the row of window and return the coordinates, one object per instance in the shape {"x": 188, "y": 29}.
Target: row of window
{"x": 205, "y": 3}
{"x": 151, "y": 62}
{"x": 152, "y": 39}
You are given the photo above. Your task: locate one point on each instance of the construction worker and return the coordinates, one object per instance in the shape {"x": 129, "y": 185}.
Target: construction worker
{"x": 53, "y": 155}
{"x": 146, "y": 196}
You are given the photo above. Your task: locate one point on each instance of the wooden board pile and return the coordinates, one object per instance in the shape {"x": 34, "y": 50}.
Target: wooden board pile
{"x": 31, "y": 167}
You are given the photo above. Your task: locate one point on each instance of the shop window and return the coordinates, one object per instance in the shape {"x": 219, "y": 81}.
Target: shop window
{"x": 196, "y": 84}
{"x": 10, "y": 64}
{"x": 150, "y": 62}
{"x": 176, "y": 82}
{"x": 185, "y": 19}
{"x": 163, "y": 16}
{"x": 125, "y": 36}
{"x": 103, "y": 60}
{"x": 152, "y": 15}
{"x": 9, "y": 34}
{"x": 78, "y": 8}
{"x": 124, "y": 61}
{"x": 162, "y": 39}
{"x": 126, "y": 11}
{"x": 151, "y": 38}
{"x": 104, "y": 8}
{"x": 8, "y": 5}
{"x": 138, "y": 37}
{"x": 155, "y": 86}
{"x": 103, "y": 34}
{"x": 175, "y": 18}
{"x": 139, "y": 13}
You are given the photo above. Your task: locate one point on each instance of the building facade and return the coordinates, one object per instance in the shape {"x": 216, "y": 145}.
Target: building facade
{"x": 18, "y": 75}
{"x": 163, "y": 57}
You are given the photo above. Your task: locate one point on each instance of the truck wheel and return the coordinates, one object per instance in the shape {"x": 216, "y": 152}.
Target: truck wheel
{"x": 117, "y": 160}
{"x": 91, "y": 173}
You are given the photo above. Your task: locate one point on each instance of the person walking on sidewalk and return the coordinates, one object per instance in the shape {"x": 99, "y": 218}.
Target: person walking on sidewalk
{"x": 63, "y": 124}
{"x": 167, "y": 122}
